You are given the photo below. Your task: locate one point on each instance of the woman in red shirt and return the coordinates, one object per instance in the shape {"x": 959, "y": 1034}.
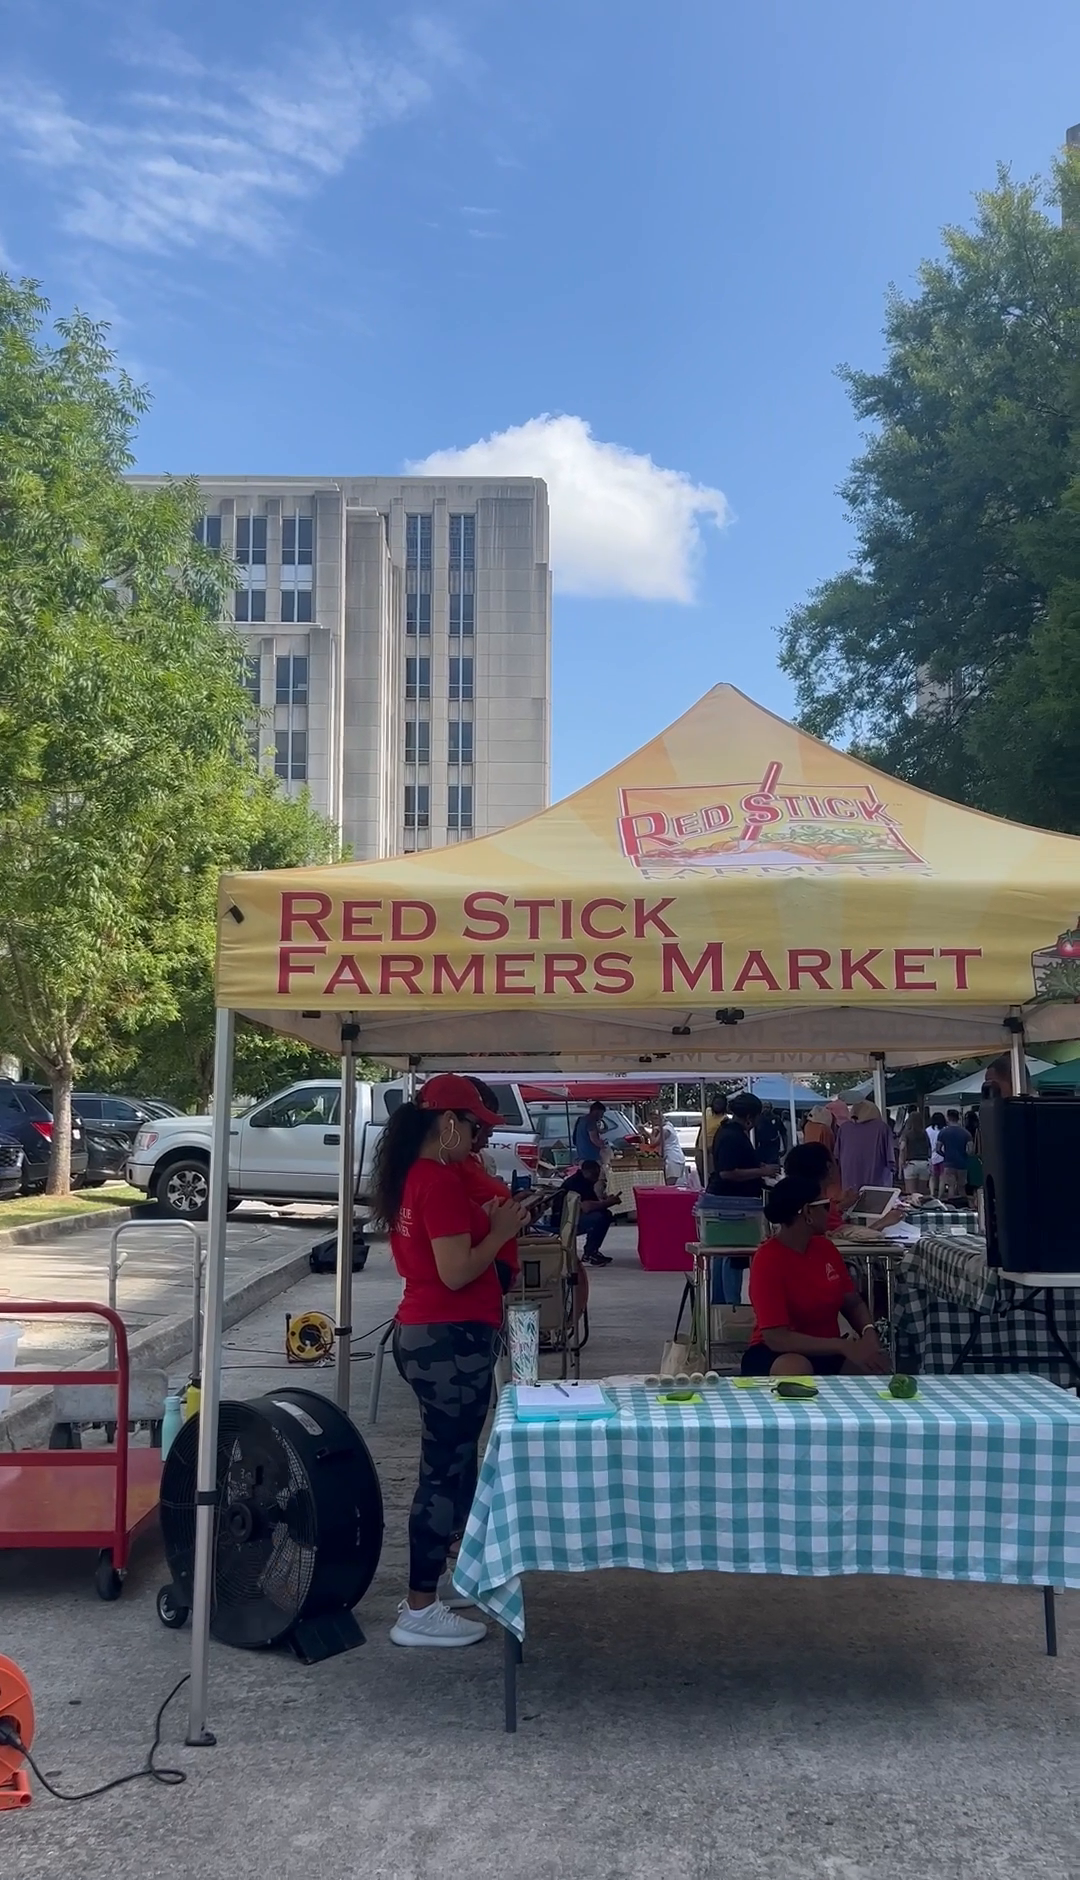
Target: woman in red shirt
{"x": 799, "y": 1285}
{"x": 444, "y": 1246}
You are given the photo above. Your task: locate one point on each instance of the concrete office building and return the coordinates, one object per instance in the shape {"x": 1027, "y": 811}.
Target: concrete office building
{"x": 400, "y": 646}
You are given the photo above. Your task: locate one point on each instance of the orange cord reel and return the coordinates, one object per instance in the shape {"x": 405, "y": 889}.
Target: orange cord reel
{"x": 17, "y": 1712}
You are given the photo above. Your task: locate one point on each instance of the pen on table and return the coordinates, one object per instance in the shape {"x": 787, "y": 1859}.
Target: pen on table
{"x": 561, "y": 1391}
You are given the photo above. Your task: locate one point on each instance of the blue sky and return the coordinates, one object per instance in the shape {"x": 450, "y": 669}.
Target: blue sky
{"x": 344, "y": 237}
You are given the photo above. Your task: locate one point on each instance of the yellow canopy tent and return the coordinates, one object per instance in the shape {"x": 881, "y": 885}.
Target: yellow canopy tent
{"x": 734, "y": 865}
{"x": 735, "y": 895}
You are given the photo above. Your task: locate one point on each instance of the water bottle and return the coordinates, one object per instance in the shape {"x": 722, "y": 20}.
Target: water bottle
{"x": 172, "y": 1422}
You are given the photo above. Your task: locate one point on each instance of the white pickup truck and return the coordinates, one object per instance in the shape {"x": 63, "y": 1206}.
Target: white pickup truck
{"x": 286, "y": 1148}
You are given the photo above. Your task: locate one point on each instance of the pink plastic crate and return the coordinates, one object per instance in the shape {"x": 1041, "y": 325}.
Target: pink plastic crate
{"x": 665, "y": 1223}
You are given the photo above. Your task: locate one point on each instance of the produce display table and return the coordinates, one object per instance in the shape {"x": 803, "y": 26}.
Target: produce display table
{"x": 954, "y": 1312}
{"x": 974, "y": 1479}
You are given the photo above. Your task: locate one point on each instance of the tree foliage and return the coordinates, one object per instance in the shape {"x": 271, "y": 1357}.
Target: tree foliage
{"x": 949, "y": 653}
{"x": 123, "y": 737}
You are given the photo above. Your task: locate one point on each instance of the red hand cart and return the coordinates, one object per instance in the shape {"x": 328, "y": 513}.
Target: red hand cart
{"x": 97, "y": 1498}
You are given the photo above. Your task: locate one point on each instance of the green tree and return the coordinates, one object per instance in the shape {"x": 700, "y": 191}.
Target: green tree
{"x": 172, "y": 1055}
{"x": 950, "y": 651}
{"x": 122, "y": 719}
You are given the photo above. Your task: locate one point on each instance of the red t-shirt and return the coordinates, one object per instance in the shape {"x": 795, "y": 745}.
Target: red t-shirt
{"x": 482, "y": 1186}
{"x": 803, "y": 1291}
{"x": 437, "y": 1206}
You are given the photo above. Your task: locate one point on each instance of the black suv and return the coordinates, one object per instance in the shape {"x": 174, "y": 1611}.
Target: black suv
{"x": 24, "y": 1116}
{"x": 111, "y": 1125}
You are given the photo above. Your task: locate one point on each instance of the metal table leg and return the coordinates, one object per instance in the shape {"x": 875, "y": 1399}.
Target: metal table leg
{"x": 512, "y": 1655}
{"x": 1050, "y": 1621}
{"x": 376, "y": 1373}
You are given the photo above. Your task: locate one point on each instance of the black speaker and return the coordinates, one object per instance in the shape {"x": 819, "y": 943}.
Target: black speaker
{"x": 1030, "y": 1150}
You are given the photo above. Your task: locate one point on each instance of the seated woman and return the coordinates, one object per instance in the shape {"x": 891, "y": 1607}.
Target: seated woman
{"x": 799, "y": 1286}
{"x": 812, "y": 1161}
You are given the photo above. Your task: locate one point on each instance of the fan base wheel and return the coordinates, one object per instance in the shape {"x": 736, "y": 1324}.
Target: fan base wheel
{"x": 108, "y": 1583}
{"x": 170, "y": 1610}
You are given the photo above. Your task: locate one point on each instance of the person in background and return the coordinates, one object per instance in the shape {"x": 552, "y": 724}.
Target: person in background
{"x": 770, "y": 1135}
{"x": 799, "y": 1286}
{"x": 671, "y": 1154}
{"x": 933, "y": 1130}
{"x": 595, "y": 1217}
{"x": 866, "y": 1149}
{"x": 738, "y": 1168}
{"x": 714, "y": 1116}
{"x": 444, "y": 1245}
{"x": 955, "y": 1146}
{"x": 588, "y": 1137}
{"x": 812, "y": 1161}
{"x": 819, "y": 1127}
{"x": 483, "y": 1184}
{"x": 915, "y": 1154}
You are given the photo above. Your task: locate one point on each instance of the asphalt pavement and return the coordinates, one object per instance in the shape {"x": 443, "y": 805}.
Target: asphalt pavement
{"x": 155, "y": 1280}
{"x": 673, "y": 1727}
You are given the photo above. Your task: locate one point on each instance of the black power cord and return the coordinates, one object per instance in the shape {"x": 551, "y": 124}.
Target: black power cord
{"x": 169, "y": 1778}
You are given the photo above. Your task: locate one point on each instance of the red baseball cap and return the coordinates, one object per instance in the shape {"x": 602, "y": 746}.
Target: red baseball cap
{"x": 450, "y": 1092}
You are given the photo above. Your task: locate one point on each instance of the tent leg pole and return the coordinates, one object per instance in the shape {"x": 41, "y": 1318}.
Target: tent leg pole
{"x": 793, "y": 1114}
{"x": 879, "y": 1082}
{"x": 346, "y": 1208}
{"x": 1017, "y": 1059}
{"x": 206, "y": 1477}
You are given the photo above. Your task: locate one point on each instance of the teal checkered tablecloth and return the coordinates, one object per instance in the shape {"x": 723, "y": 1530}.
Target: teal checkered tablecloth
{"x": 976, "y": 1479}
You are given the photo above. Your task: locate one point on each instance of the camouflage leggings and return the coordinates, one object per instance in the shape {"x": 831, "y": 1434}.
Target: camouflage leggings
{"x": 450, "y": 1368}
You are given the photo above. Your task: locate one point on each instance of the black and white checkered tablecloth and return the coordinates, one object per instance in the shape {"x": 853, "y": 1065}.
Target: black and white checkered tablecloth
{"x": 945, "y": 1291}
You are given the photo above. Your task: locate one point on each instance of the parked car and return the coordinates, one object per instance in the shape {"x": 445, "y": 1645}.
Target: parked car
{"x": 687, "y": 1128}
{"x": 11, "y": 1167}
{"x": 26, "y": 1117}
{"x": 554, "y": 1125}
{"x": 287, "y": 1147}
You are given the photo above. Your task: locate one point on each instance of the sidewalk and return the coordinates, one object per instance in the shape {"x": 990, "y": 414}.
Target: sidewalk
{"x": 684, "y": 1728}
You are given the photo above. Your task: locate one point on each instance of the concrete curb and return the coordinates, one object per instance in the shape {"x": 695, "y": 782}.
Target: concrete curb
{"x": 60, "y": 1226}
{"x": 27, "y": 1423}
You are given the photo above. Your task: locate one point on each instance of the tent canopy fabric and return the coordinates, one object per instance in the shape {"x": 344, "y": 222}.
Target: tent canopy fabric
{"x": 735, "y": 893}
{"x": 1059, "y": 1076}
{"x": 971, "y": 1085}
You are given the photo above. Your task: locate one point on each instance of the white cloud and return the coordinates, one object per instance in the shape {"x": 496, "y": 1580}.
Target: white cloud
{"x": 211, "y": 159}
{"x": 620, "y": 524}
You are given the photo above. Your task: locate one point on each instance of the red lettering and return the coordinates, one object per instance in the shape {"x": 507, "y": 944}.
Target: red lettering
{"x": 535, "y": 909}
{"x": 304, "y": 910}
{"x": 347, "y": 973}
{"x": 566, "y": 966}
{"x": 588, "y": 920}
{"x": 875, "y": 811}
{"x": 674, "y": 961}
{"x": 403, "y": 967}
{"x": 645, "y": 916}
{"x": 633, "y": 828}
{"x": 287, "y": 969}
{"x": 618, "y": 971}
{"x": 566, "y": 911}
{"x": 809, "y": 962}
{"x": 841, "y": 808}
{"x": 907, "y": 959}
{"x": 498, "y": 925}
{"x": 849, "y": 966}
{"x": 761, "y": 809}
{"x": 443, "y": 974}
{"x": 508, "y": 970}
{"x": 357, "y": 925}
{"x": 756, "y": 972}
{"x": 960, "y": 957}
{"x": 398, "y": 912}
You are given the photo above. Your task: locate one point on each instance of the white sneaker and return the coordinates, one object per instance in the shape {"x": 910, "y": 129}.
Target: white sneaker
{"x": 449, "y": 1595}
{"x": 434, "y": 1625}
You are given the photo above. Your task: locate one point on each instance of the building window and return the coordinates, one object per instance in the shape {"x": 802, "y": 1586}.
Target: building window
{"x": 461, "y": 678}
{"x": 296, "y": 605}
{"x": 251, "y": 541}
{"x": 290, "y": 756}
{"x": 461, "y": 741}
{"x": 459, "y": 807}
{"x": 418, "y": 542}
{"x": 418, "y": 678}
{"x": 297, "y": 541}
{"x": 251, "y": 679}
{"x": 463, "y": 542}
{"x": 417, "y": 613}
{"x": 417, "y": 741}
{"x": 249, "y": 601}
{"x": 462, "y": 613}
{"x": 207, "y": 530}
{"x": 417, "y": 805}
{"x": 291, "y": 679}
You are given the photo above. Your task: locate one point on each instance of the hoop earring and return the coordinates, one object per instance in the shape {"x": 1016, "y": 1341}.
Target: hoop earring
{"x": 445, "y": 1142}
